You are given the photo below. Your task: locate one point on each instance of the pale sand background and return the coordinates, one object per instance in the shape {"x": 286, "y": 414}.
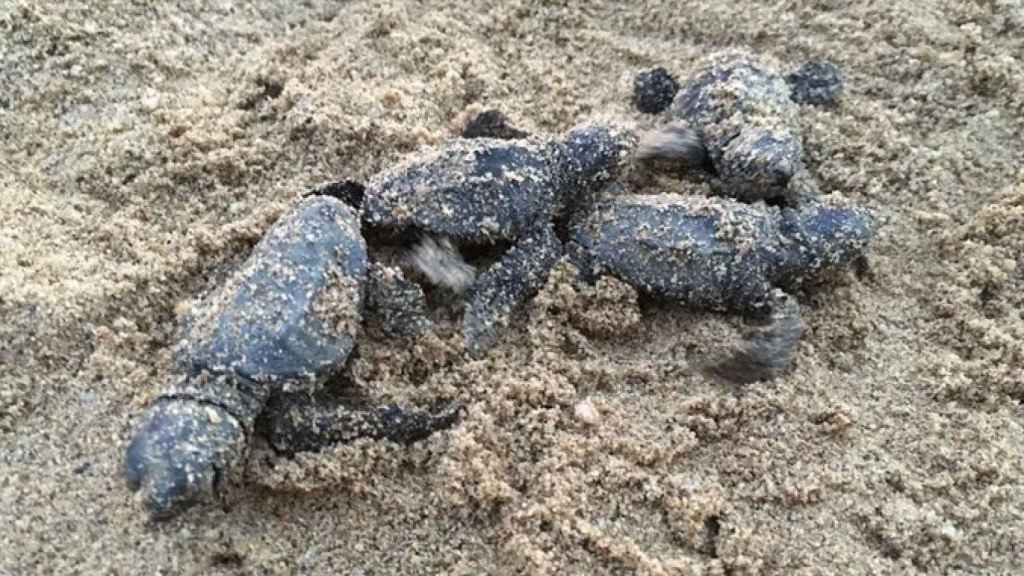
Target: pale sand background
{"x": 142, "y": 150}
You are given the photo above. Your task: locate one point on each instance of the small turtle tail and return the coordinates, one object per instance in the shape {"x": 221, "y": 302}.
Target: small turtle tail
{"x": 675, "y": 142}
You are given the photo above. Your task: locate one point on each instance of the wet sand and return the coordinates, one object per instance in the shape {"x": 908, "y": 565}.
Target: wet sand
{"x": 143, "y": 152}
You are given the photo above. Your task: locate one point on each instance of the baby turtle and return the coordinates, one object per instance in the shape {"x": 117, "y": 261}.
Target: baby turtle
{"x": 489, "y": 191}
{"x": 721, "y": 254}
{"x": 285, "y": 321}
{"x": 739, "y": 116}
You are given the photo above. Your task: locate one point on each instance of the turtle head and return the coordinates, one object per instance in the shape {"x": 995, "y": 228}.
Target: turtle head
{"x": 825, "y": 236}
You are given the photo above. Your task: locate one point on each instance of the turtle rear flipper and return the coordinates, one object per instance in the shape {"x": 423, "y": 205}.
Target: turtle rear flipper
{"x": 768, "y": 351}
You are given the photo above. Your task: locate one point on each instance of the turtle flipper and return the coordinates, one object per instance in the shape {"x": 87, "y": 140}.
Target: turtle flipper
{"x": 507, "y": 285}
{"x": 768, "y": 352}
{"x": 304, "y": 423}
{"x": 677, "y": 142}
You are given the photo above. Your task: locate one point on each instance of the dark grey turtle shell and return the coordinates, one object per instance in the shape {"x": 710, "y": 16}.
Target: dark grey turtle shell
{"x": 470, "y": 189}
{"x": 293, "y": 311}
{"x": 485, "y": 189}
{"x": 705, "y": 252}
{"x": 732, "y": 86}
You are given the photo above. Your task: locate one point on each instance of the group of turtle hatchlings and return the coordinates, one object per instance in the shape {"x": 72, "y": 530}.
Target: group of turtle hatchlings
{"x": 289, "y": 317}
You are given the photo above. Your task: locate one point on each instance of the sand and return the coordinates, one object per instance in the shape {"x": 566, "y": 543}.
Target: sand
{"x": 143, "y": 152}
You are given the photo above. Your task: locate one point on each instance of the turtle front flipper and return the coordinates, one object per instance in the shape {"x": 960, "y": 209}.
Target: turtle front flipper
{"x": 677, "y": 143}
{"x": 303, "y": 423}
{"x": 504, "y": 287}
{"x": 288, "y": 317}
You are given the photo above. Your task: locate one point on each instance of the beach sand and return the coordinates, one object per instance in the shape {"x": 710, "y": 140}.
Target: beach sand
{"x": 144, "y": 150}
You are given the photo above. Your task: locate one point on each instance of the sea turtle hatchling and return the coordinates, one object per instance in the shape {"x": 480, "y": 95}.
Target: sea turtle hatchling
{"x": 722, "y": 254}
{"x": 256, "y": 349}
{"x": 740, "y": 117}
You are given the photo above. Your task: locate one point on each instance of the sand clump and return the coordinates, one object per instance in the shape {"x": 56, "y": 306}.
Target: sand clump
{"x": 144, "y": 150}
